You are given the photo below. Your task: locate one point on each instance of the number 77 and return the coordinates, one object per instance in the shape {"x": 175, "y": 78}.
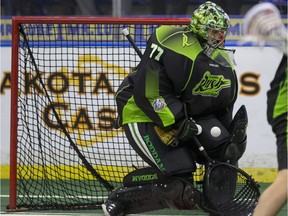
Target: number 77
{"x": 159, "y": 50}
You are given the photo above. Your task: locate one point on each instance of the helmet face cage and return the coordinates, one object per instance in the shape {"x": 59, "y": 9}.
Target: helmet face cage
{"x": 210, "y": 22}
{"x": 216, "y": 37}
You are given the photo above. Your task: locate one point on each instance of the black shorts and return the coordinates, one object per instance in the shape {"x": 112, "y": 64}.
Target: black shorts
{"x": 151, "y": 148}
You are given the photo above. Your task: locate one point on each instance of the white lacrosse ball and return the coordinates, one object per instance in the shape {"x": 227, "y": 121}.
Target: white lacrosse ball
{"x": 215, "y": 131}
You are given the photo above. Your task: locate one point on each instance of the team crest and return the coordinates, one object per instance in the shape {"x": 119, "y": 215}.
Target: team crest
{"x": 211, "y": 85}
{"x": 159, "y": 104}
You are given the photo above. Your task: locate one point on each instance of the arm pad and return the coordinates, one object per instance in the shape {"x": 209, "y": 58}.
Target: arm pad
{"x": 236, "y": 145}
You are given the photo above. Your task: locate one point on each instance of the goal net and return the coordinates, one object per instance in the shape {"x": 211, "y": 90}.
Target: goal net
{"x": 65, "y": 152}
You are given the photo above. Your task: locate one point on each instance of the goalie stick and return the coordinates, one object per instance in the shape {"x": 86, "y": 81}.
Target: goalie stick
{"x": 132, "y": 42}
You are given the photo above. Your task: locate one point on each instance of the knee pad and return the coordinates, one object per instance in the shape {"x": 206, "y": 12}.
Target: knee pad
{"x": 211, "y": 143}
{"x": 207, "y": 138}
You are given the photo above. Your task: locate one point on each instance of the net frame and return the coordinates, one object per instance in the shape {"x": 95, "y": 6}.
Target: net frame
{"x": 16, "y": 23}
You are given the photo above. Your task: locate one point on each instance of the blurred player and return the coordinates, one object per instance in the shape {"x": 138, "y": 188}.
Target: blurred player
{"x": 262, "y": 24}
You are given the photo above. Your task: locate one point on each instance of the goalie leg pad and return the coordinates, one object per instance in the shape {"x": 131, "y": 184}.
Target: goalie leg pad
{"x": 174, "y": 193}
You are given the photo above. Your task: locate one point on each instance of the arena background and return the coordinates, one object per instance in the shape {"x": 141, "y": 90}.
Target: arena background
{"x": 255, "y": 69}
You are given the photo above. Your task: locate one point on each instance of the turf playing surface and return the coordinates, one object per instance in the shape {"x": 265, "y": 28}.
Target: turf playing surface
{"x": 4, "y": 195}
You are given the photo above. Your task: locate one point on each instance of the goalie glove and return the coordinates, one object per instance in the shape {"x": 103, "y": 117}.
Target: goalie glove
{"x": 187, "y": 130}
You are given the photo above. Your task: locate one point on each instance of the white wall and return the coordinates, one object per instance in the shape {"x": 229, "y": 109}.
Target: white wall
{"x": 5, "y": 107}
{"x": 261, "y": 145}
{"x": 257, "y": 64}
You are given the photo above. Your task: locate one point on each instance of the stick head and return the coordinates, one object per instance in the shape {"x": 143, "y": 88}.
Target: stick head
{"x": 229, "y": 190}
{"x": 262, "y": 25}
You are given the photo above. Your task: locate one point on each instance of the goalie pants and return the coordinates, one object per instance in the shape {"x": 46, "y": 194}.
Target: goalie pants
{"x": 277, "y": 106}
{"x": 170, "y": 160}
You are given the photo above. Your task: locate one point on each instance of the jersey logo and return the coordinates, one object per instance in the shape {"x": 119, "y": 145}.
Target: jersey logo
{"x": 159, "y": 104}
{"x": 211, "y": 85}
{"x": 185, "y": 41}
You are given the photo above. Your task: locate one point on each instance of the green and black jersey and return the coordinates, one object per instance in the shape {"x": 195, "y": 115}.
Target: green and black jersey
{"x": 277, "y": 95}
{"x": 277, "y": 108}
{"x": 176, "y": 70}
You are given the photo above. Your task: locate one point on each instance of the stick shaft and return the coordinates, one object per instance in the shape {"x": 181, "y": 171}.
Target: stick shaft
{"x": 132, "y": 42}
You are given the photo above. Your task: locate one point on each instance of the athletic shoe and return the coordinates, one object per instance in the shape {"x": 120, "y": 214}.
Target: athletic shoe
{"x": 111, "y": 208}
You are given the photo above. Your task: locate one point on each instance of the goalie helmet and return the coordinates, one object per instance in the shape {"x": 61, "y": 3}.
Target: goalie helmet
{"x": 210, "y": 22}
